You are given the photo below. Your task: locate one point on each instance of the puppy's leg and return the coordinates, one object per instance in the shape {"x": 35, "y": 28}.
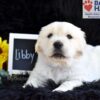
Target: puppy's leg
{"x": 35, "y": 79}
{"x": 68, "y": 85}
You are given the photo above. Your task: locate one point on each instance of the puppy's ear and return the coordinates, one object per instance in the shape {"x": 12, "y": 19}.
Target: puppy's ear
{"x": 37, "y": 47}
{"x": 82, "y": 33}
{"x": 81, "y": 44}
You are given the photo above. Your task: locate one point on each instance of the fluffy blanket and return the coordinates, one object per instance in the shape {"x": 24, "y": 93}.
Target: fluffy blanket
{"x": 11, "y": 89}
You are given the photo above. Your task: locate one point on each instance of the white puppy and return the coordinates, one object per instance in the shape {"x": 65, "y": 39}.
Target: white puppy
{"x": 64, "y": 56}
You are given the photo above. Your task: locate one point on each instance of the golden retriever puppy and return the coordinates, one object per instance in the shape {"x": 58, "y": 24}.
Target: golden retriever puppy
{"x": 64, "y": 56}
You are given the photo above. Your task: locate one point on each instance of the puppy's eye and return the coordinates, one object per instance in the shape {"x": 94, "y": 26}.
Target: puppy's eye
{"x": 69, "y": 36}
{"x": 50, "y": 35}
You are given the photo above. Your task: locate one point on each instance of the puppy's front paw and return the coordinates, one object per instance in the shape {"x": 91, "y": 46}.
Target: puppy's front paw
{"x": 32, "y": 84}
{"x": 25, "y": 85}
{"x": 59, "y": 90}
{"x": 62, "y": 89}
{"x": 68, "y": 85}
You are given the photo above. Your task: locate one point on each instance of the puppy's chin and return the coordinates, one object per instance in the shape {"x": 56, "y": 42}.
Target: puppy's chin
{"x": 59, "y": 61}
{"x": 56, "y": 59}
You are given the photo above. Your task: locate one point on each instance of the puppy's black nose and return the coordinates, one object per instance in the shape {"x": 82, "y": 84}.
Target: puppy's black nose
{"x": 58, "y": 45}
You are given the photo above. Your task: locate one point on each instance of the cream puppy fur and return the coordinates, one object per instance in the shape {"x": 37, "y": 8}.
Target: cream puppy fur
{"x": 64, "y": 56}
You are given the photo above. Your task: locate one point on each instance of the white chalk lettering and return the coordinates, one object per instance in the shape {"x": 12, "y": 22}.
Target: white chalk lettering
{"x": 21, "y": 54}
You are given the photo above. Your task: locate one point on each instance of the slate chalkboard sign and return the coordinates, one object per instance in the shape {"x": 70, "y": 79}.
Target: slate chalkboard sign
{"x": 22, "y": 56}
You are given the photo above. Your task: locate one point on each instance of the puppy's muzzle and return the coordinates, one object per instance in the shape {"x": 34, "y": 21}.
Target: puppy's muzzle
{"x": 58, "y": 52}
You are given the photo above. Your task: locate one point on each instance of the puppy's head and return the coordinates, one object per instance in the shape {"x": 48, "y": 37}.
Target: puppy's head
{"x": 60, "y": 43}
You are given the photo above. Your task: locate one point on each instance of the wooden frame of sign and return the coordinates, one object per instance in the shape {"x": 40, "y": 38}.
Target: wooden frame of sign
{"x": 21, "y": 53}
